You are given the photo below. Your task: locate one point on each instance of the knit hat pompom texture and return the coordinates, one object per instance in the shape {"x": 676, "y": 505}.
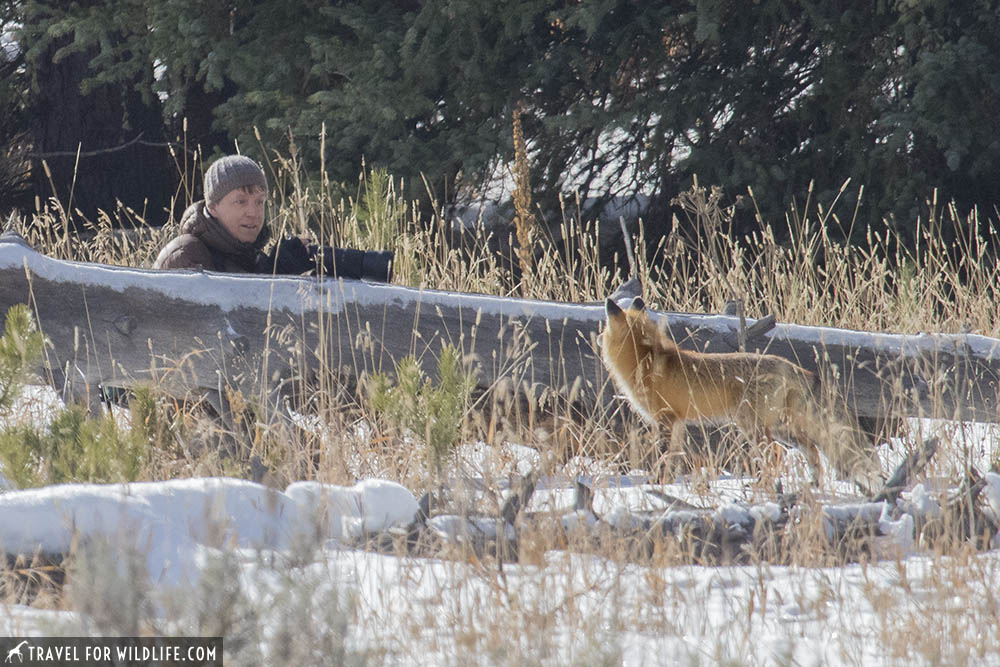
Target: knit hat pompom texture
{"x": 231, "y": 172}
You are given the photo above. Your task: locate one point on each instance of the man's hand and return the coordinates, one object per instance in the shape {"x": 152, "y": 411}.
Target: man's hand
{"x": 289, "y": 257}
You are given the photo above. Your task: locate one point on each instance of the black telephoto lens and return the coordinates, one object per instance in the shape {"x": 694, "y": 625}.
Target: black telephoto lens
{"x": 375, "y": 265}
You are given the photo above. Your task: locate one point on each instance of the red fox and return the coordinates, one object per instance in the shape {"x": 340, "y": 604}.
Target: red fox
{"x": 758, "y": 392}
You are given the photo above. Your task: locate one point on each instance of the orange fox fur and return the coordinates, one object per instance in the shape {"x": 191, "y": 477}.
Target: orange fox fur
{"x": 758, "y": 392}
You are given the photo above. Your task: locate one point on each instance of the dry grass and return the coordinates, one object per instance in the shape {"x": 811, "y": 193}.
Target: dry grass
{"x": 813, "y": 279}
{"x": 810, "y": 279}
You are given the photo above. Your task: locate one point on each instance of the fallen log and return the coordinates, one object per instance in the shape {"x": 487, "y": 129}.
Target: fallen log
{"x": 733, "y": 533}
{"x": 208, "y": 332}
{"x": 779, "y": 530}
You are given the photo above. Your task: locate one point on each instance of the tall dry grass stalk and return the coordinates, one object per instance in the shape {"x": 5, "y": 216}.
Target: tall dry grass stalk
{"x": 524, "y": 218}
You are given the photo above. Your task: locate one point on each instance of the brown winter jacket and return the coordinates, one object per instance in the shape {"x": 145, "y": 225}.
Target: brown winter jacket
{"x": 203, "y": 243}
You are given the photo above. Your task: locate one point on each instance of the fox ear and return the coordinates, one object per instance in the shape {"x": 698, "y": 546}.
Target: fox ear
{"x": 638, "y": 303}
{"x": 612, "y": 308}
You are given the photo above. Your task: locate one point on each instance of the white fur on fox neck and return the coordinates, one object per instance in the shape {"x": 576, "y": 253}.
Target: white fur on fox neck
{"x": 623, "y": 385}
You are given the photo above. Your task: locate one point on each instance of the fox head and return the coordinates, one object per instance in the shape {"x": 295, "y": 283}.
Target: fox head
{"x": 629, "y": 325}
{"x": 630, "y": 343}
{"x": 630, "y": 333}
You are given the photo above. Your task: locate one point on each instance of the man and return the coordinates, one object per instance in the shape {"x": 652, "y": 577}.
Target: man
{"x": 226, "y": 230}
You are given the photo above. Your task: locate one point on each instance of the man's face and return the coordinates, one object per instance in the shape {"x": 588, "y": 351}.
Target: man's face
{"x": 241, "y": 212}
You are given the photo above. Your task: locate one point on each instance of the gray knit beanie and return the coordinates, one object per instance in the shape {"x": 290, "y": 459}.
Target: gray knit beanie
{"x": 231, "y": 172}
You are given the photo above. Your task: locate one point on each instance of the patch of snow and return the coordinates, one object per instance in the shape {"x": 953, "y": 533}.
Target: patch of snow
{"x": 51, "y": 519}
{"x": 900, "y": 531}
{"x": 461, "y": 530}
{"x": 838, "y": 515}
{"x": 769, "y": 511}
{"x": 917, "y": 501}
{"x": 385, "y": 504}
{"x": 18, "y": 620}
{"x": 367, "y": 507}
{"x": 617, "y": 499}
{"x": 578, "y": 520}
{"x": 221, "y": 511}
{"x": 622, "y": 518}
{"x": 484, "y": 462}
{"x": 735, "y": 513}
{"x": 325, "y": 506}
{"x": 992, "y": 491}
{"x": 168, "y": 520}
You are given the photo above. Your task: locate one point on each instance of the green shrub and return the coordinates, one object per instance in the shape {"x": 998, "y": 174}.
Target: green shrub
{"x": 380, "y": 213}
{"x": 149, "y": 423}
{"x": 73, "y": 448}
{"x": 433, "y": 413}
{"x": 20, "y": 348}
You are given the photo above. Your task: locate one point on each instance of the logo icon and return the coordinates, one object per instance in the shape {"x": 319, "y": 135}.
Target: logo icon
{"x": 16, "y": 651}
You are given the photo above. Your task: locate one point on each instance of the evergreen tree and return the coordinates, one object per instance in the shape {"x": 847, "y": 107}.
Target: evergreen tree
{"x": 617, "y": 98}
{"x": 91, "y": 132}
{"x": 14, "y": 190}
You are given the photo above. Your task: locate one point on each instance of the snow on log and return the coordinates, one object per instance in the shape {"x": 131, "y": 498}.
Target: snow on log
{"x": 735, "y": 532}
{"x": 202, "y": 331}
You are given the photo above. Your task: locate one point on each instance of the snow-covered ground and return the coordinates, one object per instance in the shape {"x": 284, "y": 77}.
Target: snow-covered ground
{"x": 277, "y": 573}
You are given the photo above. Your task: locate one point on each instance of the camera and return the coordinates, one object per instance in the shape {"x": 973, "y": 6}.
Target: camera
{"x": 293, "y": 257}
{"x": 373, "y": 265}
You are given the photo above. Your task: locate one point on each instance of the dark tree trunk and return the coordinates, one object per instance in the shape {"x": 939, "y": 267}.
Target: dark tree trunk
{"x": 199, "y": 110}
{"x": 108, "y": 126}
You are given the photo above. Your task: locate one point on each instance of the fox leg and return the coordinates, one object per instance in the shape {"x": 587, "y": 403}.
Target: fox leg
{"x": 815, "y": 429}
{"x": 815, "y": 464}
{"x": 774, "y": 454}
{"x": 672, "y": 431}
{"x": 800, "y": 418}
{"x": 758, "y": 429}
{"x": 800, "y": 437}
{"x": 773, "y": 450}
{"x": 678, "y": 432}
{"x": 811, "y": 452}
